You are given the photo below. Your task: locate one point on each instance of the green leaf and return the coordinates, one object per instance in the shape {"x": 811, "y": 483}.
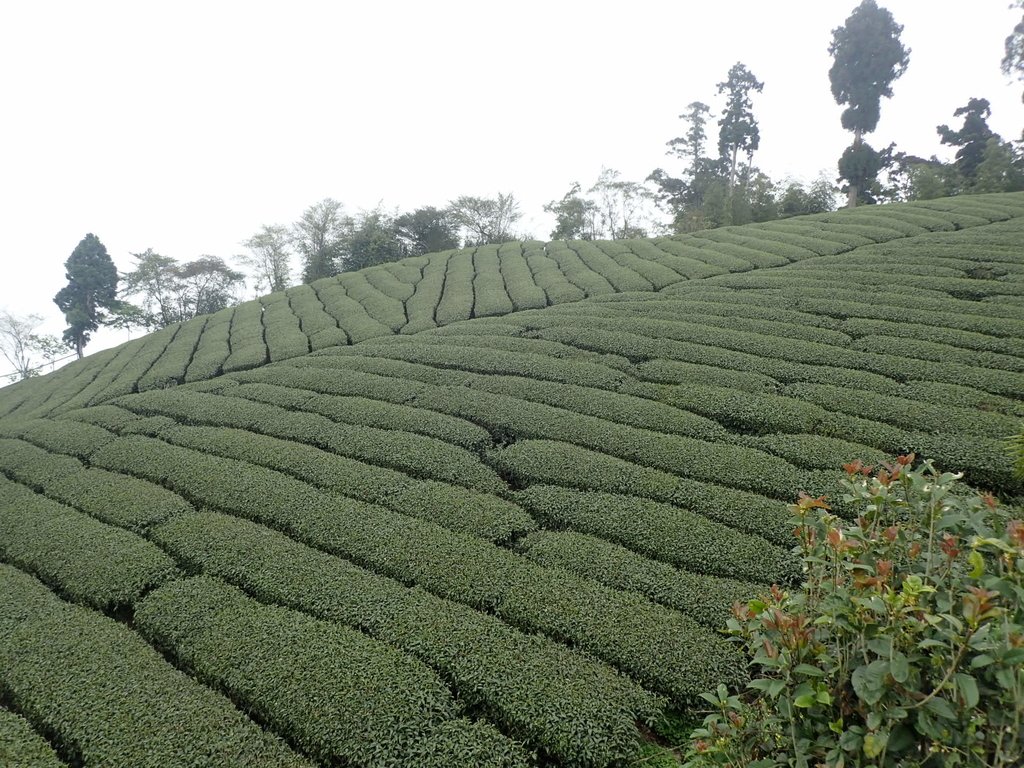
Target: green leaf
{"x": 869, "y": 681}
{"x": 981, "y": 660}
{"x": 851, "y": 741}
{"x": 977, "y": 564}
{"x": 941, "y": 708}
{"x": 880, "y": 645}
{"x": 968, "y": 689}
{"x": 809, "y": 670}
{"x": 806, "y": 701}
{"x": 772, "y": 687}
{"x": 874, "y": 743}
{"x": 899, "y": 667}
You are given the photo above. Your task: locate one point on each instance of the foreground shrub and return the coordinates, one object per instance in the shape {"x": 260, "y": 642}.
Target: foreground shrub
{"x": 904, "y": 647}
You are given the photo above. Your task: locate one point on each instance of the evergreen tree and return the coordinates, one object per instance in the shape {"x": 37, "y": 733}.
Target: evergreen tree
{"x": 972, "y": 138}
{"x": 91, "y": 291}
{"x": 867, "y": 57}
{"x": 738, "y": 130}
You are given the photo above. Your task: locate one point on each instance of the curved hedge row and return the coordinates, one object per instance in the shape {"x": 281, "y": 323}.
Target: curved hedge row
{"x": 561, "y": 702}
{"x": 634, "y": 635}
{"x": 22, "y": 747}
{"x": 103, "y": 692}
{"x": 338, "y": 694}
{"x": 87, "y": 560}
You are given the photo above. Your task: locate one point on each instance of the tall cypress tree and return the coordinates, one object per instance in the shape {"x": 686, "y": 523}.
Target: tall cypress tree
{"x": 867, "y": 57}
{"x": 91, "y": 289}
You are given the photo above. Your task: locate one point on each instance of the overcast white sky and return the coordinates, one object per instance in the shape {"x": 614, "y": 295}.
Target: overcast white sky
{"x": 184, "y": 126}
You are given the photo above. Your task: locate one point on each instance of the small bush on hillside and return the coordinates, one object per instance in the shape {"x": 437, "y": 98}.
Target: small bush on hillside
{"x": 904, "y": 646}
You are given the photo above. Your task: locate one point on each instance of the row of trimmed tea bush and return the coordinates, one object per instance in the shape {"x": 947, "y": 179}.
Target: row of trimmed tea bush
{"x": 494, "y": 361}
{"x": 707, "y": 598}
{"x": 648, "y": 641}
{"x": 490, "y": 295}
{"x": 449, "y": 506}
{"x": 548, "y": 275}
{"x": 351, "y": 316}
{"x": 456, "y": 299}
{"x": 79, "y": 439}
{"x": 87, "y": 560}
{"x": 697, "y": 263}
{"x": 652, "y": 269}
{"x": 385, "y": 281}
{"x": 407, "y": 452}
{"x": 576, "y": 271}
{"x": 547, "y": 462}
{"x": 660, "y": 531}
{"x": 282, "y": 332}
{"x": 511, "y": 418}
{"x": 23, "y": 747}
{"x": 388, "y": 311}
{"x": 125, "y": 502}
{"x": 422, "y": 305}
{"x": 213, "y": 348}
{"x": 97, "y": 686}
{"x": 948, "y": 337}
{"x": 368, "y": 412}
{"x": 246, "y": 341}
{"x": 341, "y": 696}
{"x": 169, "y": 369}
{"x": 559, "y": 701}
{"x": 620, "y": 277}
{"x": 313, "y": 318}
{"x": 522, "y": 287}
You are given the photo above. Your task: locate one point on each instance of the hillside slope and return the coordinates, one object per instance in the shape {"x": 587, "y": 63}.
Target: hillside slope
{"x": 508, "y": 540}
{"x": 430, "y": 291}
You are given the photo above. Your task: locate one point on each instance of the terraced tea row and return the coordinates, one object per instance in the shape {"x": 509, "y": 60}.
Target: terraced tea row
{"x": 507, "y": 541}
{"x": 425, "y": 292}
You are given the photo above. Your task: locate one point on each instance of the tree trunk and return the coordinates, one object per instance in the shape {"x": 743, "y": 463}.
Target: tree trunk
{"x": 851, "y": 193}
{"x": 79, "y": 346}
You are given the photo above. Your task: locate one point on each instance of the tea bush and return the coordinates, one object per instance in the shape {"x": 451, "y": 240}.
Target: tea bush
{"x": 904, "y": 646}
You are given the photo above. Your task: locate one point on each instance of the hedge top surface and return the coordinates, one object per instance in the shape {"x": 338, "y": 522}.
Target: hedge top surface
{"x": 539, "y": 517}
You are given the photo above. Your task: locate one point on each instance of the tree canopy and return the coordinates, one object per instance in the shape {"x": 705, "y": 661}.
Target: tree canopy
{"x": 269, "y": 257}
{"x": 738, "y": 129}
{"x": 486, "y": 219}
{"x": 320, "y": 236}
{"x": 91, "y": 291}
{"x": 168, "y": 292}
{"x": 867, "y": 58}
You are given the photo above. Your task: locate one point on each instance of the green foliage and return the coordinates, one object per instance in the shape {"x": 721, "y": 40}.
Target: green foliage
{"x": 867, "y": 57}
{"x": 22, "y": 747}
{"x": 374, "y": 706}
{"x": 661, "y": 532}
{"x": 427, "y": 230}
{"x": 586, "y": 714}
{"x": 320, "y": 238}
{"x": 704, "y": 597}
{"x": 91, "y": 291}
{"x": 98, "y": 687}
{"x": 575, "y": 216}
{"x": 87, "y": 560}
{"x": 174, "y": 293}
{"x": 903, "y": 647}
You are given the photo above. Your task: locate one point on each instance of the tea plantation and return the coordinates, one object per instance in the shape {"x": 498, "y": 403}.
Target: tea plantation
{"x": 486, "y": 507}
